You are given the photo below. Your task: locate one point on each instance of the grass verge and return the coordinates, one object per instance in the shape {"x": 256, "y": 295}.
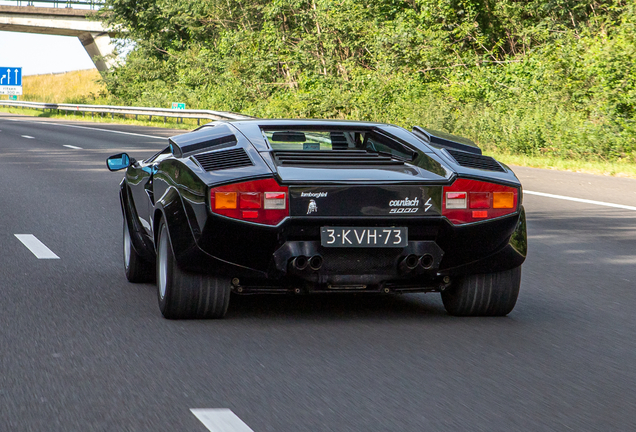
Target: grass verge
{"x": 616, "y": 169}
{"x": 82, "y": 86}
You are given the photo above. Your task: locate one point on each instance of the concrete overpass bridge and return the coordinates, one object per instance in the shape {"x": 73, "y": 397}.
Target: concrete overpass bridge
{"x": 65, "y": 18}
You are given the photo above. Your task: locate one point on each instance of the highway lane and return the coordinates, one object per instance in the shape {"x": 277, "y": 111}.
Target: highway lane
{"x": 81, "y": 349}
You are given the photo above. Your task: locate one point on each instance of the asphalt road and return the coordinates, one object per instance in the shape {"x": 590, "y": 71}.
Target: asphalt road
{"x": 81, "y": 349}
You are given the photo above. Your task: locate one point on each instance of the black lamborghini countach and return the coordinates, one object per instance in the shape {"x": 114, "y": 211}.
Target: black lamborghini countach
{"x": 316, "y": 206}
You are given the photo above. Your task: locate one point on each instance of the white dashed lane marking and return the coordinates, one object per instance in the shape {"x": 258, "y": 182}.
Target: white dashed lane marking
{"x": 38, "y": 248}
{"x": 72, "y": 147}
{"x": 28, "y": 137}
{"x": 581, "y": 200}
{"x": 220, "y": 420}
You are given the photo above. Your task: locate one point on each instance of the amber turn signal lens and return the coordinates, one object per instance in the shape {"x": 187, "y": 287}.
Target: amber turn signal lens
{"x": 225, "y": 200}
{"x": 503, "y": 200}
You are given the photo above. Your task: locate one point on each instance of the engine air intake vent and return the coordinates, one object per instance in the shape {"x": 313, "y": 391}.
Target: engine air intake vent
{"x": 333, "y": 158}
{"x": 474, "y": 161}
{"x": 224, "y": 159}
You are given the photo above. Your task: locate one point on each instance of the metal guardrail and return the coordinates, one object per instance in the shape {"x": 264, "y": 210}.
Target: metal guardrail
{"x": 124, "y": 111}
{"x": 93, "y": 4}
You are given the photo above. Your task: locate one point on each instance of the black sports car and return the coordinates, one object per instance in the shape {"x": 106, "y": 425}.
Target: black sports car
{"x": 305, "y": 206}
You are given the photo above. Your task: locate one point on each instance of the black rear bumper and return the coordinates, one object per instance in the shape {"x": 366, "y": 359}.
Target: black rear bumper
{"x": 268, "y": 257}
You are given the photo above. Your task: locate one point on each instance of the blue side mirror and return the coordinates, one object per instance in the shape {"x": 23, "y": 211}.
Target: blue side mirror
{"x": 118, "y": 162}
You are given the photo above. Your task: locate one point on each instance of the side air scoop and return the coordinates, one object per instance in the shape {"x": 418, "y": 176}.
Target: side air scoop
{"x": 204, "y": 138}
{"x": 446, "y": 140}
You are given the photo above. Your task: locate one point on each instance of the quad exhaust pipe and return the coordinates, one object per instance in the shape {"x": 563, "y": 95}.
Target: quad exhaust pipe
{"x": 410, "y": 262}
{"x": 315, "y": 262}
{"x": 427, "y": 261}
{"x": 301, "y": 262}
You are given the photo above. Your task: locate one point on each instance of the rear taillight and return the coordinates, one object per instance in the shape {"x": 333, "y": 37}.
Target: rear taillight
{"x": 260, "y": 201}
{"x": 468, "y": 201}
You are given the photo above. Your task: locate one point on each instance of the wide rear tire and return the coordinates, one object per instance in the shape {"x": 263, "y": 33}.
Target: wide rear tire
{"x": 490, "y": 294}
{"x": 136, "y": 268}
{"x": 184, "y": 295}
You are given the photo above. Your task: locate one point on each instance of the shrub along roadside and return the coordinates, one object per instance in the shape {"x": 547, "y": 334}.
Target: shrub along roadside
{"x": 536, "y": 78}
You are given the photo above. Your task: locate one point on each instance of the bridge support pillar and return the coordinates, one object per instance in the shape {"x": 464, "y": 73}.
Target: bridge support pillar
{"x": 99, "y": 48}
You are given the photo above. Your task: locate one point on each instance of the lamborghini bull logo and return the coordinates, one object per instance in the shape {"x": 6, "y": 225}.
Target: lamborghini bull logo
{"x": 313, "y": 208}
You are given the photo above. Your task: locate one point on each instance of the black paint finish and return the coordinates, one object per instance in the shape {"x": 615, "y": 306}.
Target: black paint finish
{"x": 397, "y": 201}
{"x": 174, "y": 186}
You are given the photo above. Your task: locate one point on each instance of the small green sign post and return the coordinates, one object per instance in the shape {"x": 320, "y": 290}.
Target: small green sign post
{"x": 178, "y": 106}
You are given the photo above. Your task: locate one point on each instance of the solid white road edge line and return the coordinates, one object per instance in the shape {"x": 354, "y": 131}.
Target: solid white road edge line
{"x": 27, "y": 136}
{"x": 586, "y": 201}
{"x": 72, "y": 147}
{"x": 38, "y": 248}
{"x": 91, "y": 128}
{"x": 220, "y": 420}
{"x": 104, "y": 130}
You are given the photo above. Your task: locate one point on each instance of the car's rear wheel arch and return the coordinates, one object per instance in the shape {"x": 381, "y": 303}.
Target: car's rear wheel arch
{"x": 170, "y": 210}
{"x": 140, "y": 243}
{"x": 183, "y": 294}
{"x": 156, "y": 221}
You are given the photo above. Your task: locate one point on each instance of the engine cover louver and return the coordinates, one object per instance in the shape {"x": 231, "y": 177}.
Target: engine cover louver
{"x": 224, "y": 159}
{"x": 333, "y": 157}
{"x": 474, "y": 161}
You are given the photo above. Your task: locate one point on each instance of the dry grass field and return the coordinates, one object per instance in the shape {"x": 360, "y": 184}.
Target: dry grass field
{"x": 69, "y": 87}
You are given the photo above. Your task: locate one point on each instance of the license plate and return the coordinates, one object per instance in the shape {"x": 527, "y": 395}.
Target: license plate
{"x": 364, "y": 237}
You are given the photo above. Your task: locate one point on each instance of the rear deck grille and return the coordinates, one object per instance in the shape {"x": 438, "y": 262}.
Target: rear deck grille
{"x": 333, "y": 158}
{"x": 224, "y": 159}
{"x": 474, "y": 161}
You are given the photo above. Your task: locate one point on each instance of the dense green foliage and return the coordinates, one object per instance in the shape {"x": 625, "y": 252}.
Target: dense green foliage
{"x": 536, "y": 77}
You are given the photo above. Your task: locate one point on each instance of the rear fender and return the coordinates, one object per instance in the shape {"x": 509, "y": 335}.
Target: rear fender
{"x": 170, "y": 208}
{"x": 140, "y": 241}
{"x": 510, "y": 256}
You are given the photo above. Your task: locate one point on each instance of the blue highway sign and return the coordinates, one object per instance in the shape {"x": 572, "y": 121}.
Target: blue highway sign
{"x": 10, "y": 76}
{"x": 10, "y": 80}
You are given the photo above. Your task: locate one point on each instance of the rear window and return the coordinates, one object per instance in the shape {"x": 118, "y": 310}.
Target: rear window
{"x": 336, "y": 140}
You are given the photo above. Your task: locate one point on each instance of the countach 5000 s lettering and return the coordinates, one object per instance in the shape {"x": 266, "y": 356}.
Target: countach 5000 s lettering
{"x": 405, "y": 206}
{"x": 308, "y": 206}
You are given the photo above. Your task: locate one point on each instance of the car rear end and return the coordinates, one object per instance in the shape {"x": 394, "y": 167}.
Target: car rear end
{"x": 360, "y": 207}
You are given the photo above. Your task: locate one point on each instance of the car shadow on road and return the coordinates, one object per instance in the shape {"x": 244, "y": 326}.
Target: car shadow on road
{"x": 337, "y": 306}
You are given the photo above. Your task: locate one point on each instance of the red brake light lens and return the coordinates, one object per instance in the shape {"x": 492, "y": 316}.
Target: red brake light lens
{"x": 467, "y": 201}
{"x": 250, "y": 200}
{"x": 479, "y": 200}
{"x": 259, "y": 201}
